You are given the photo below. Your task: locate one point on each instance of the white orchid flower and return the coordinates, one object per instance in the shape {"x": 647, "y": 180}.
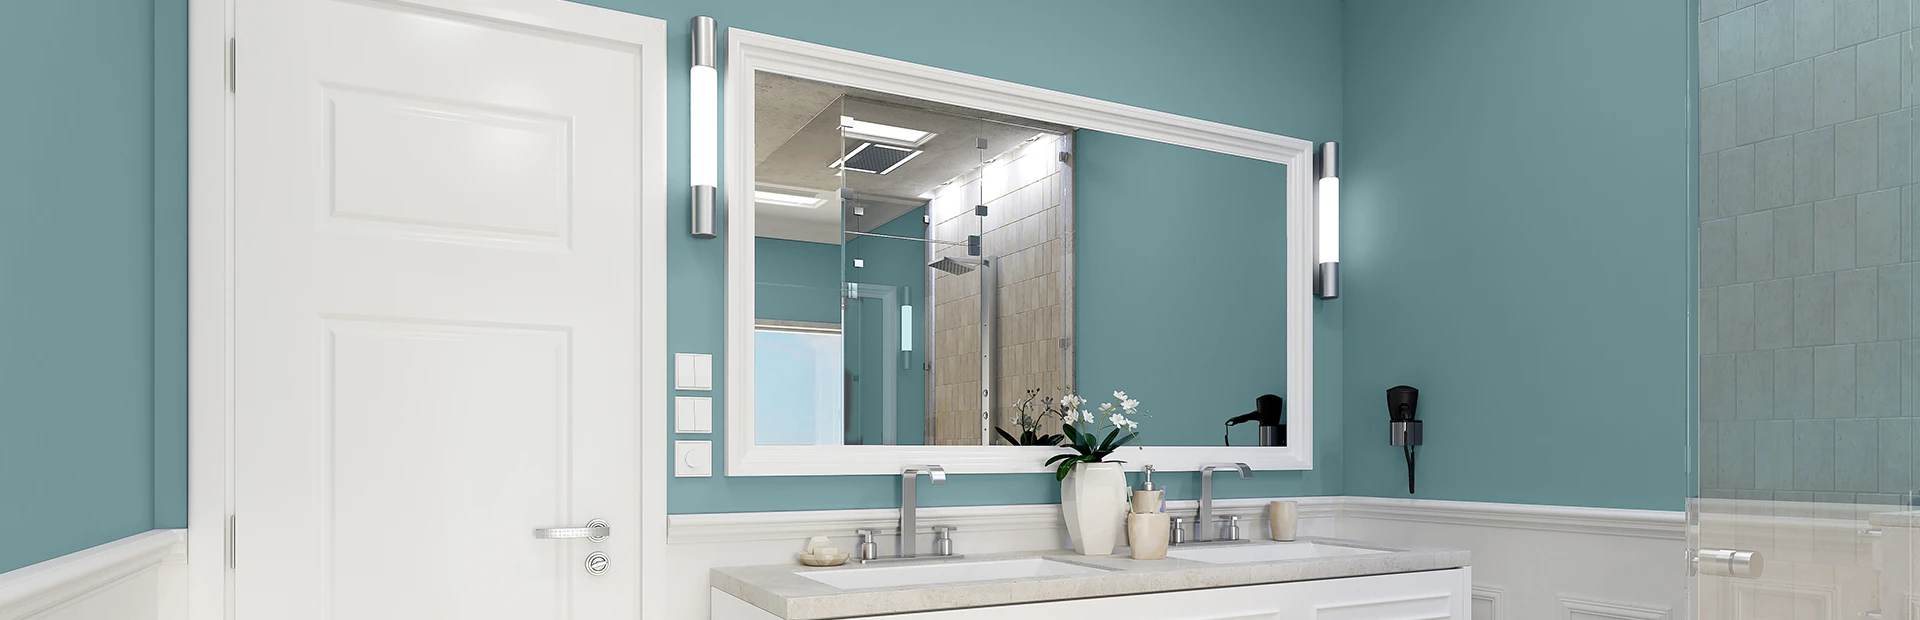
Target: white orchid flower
{"x": 1086, "y": 415}
{"x": 1118, "y": 420}
{"x": 1120, "y": 395}
{"x": 1132, "y": 425}
{"x": 1072, "y": 401}
{"x": 1129, "y": 405}
{"x": 1105, "y": 407}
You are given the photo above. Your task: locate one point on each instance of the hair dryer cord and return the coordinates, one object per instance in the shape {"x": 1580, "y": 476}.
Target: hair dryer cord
{"x": 1409, "y": 450}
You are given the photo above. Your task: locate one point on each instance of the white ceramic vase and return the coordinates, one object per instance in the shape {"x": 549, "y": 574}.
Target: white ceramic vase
{"x": 1094, "y": 499}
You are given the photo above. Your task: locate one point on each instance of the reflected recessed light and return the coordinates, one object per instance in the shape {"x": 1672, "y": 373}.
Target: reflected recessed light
{"x": 875, "y": 158}
{"x": 786, "y": 200}
{"x": 863, "y": 130}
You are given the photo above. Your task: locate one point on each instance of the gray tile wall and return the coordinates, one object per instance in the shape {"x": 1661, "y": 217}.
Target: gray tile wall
{"x": 1809, "y": 226}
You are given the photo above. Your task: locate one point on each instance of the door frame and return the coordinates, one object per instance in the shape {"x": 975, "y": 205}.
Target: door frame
{"x": 210, "y": 267}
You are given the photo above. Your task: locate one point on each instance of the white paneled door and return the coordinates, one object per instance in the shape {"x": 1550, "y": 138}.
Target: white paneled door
{"x": 438, "y": 303}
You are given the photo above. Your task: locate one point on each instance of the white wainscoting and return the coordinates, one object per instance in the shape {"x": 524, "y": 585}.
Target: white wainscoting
{"x": 1529, "y": 562}
{"x": 140, "y": 577}
{"x": 1543, "y": 562}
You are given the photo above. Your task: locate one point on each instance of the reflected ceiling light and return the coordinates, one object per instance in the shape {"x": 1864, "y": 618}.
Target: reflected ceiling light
{"x": 1326, "y": 280}
{"x": 786, "y": 200}
{"x": 704, "y": 125}
{"x": 863, "y": 130}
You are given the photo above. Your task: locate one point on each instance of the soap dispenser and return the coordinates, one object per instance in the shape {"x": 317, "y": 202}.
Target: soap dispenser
{"x": 1148, "y": 499}
{"x": 1147, "y": 529}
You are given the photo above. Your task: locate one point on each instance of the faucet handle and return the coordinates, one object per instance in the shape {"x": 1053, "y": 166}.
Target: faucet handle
{"x": 1233, "y": 527}
{"x": 1179, "y": 533}
{"x": 943, "y": 539}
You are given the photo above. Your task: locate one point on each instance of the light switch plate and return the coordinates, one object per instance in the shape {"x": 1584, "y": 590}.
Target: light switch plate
{"x": 693, "y": 459}
{"x": 692, "y": 414}
{"x": 693, "y": 371}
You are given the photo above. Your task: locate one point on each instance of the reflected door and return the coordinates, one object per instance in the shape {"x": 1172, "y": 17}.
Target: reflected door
{"x": 436, "y": 342}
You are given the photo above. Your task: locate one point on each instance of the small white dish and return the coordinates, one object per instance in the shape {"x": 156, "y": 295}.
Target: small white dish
{"x": 822, "y": 560}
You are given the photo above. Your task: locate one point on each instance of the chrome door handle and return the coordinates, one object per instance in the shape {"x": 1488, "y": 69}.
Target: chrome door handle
{"x": 596, "y": 531}
{"x": 1729, "y": 563}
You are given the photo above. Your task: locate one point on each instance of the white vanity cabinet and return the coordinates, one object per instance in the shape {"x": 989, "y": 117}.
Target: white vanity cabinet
{"x": 1428, "y": 594}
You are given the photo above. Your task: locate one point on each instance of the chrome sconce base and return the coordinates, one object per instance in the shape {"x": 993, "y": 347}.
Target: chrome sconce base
{"x": 1326, "y": 281}
{"x": 705, "y": 202}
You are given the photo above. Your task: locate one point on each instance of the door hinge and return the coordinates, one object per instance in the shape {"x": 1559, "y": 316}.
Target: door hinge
{"x": 233, "y": 556}
{"x": 233, "y": 65}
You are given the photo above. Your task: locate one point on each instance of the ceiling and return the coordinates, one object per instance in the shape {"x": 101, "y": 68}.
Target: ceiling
{"x": 797, "y": 139}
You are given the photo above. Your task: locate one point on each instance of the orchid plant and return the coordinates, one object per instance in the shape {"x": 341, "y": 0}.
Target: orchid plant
{"x": 1083, "y": 429}
{"x": 1034, "y": 411}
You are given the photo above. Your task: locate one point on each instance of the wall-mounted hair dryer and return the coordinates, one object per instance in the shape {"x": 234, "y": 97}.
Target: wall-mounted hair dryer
{"x": 1271, "y": 412}
{"x": 1404, "y": 430}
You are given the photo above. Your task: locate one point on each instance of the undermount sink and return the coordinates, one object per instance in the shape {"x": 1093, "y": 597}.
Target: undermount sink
{"x": 946, "y": 572}
{"x": 1254, "y": 552}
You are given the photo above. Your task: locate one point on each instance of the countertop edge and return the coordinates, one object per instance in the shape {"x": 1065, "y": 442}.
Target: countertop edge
{"x": 1120, "y": 582}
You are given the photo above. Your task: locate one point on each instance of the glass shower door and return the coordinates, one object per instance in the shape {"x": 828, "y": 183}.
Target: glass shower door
{"x": 1807, "y": 363}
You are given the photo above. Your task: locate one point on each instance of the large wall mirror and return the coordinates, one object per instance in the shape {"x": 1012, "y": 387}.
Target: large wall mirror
{"x": 919, "y": 259}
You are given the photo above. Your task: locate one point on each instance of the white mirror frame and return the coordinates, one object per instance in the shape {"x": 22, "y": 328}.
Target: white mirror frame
{"x": 749, "y": 52}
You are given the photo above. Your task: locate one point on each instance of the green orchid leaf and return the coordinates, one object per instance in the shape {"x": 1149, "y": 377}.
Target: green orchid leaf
{"x": 1057, "y": 457}
{"x": 1065, "y": 468}
{"x": 1123, "y": 440}
{"x": 1108, "y": 442}
{"x": 1008, "y": 437}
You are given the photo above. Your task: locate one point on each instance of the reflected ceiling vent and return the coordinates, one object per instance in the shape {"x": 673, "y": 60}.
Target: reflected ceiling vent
{"x": 874, "y": 158}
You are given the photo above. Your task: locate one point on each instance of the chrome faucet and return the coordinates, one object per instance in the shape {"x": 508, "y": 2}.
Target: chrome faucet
{"x": 906, "y": 546}
{"x": 1203, "y": 526}
{"x": 909, "y": 545}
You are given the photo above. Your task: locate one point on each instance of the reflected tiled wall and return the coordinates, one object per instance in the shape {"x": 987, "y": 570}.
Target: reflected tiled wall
{"x": 1806, "y": 245}
{"x": 1022, "y": 191}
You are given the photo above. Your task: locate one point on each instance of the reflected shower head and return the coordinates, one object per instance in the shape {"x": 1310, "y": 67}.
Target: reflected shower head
{"x": 956, "y": 266}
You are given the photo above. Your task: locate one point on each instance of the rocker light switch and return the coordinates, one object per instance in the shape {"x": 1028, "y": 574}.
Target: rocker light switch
{"x": 693, "y": 371}
{"x": 693, "y": 459}
{"x": 692, "y": 414}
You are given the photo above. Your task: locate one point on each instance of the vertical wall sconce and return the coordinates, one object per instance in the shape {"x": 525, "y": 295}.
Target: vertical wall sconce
{"x": 704, "y": 142}
{"x": 1326, "y": 278}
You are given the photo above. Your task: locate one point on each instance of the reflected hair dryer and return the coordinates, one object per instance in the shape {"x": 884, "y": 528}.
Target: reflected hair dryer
{"x": 1271, "y": 412}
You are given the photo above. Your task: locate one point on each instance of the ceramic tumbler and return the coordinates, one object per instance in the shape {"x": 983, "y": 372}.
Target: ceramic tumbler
{"x": 1283, "y": 520}
{"x": 1147, "y": 535}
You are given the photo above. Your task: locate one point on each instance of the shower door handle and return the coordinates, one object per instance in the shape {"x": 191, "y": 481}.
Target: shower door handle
{"x": 1728, "y": 563}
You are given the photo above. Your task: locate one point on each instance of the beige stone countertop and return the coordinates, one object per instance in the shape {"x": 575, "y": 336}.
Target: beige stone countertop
{"x": 783, "y": 590}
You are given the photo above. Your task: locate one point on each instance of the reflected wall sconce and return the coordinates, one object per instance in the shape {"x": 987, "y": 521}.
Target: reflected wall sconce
{"x": 704, "y": 123}
{"x": 1326, "y": 278}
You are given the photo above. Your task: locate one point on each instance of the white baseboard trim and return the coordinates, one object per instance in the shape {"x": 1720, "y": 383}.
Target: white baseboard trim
{"x": 798, "y": 525}
{"x": 33, "y": 589}
{"x": 1657, "y": 524}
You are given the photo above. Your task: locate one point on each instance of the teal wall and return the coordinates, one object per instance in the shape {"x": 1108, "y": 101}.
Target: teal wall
{"x": 1516, "y": 236}
{"x": 92, "y": 215}
{"x": 1138, "y": 52}
{"x": 1515, "y": 228}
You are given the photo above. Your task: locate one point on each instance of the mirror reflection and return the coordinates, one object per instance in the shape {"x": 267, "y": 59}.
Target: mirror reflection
{"x": 916, "y": 275}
